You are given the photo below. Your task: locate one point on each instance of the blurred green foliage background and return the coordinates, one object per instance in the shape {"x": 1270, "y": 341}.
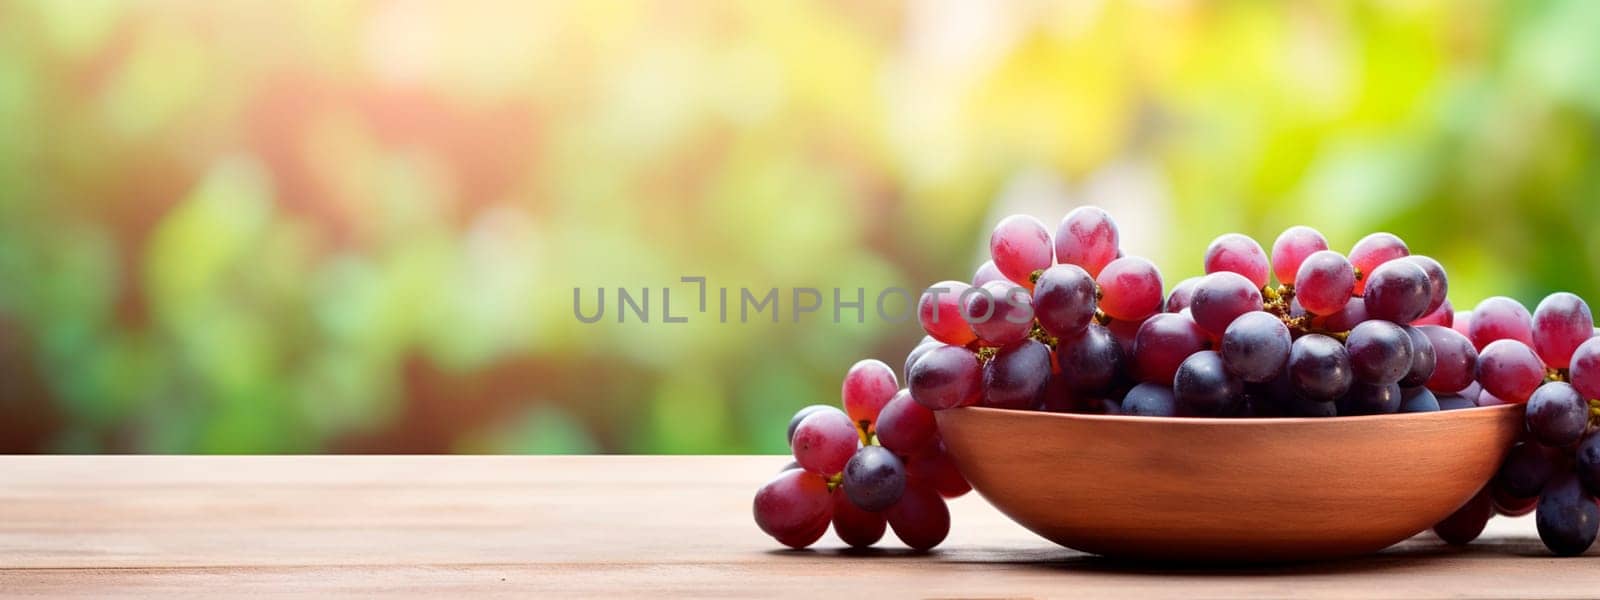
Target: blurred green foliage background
{"x": 251, "y": 226}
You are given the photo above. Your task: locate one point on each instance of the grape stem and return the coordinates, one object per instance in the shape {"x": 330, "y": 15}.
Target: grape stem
{"x": 1276, "y": 300}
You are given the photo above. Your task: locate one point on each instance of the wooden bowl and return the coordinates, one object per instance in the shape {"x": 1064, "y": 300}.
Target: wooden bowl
{"x": 1228, "y": 490}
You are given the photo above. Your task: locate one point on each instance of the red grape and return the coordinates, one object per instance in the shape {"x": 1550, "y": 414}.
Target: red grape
{"x": 946, "y": 377}
{"x": 856, "y": 527}
{"x": 1372, "y": 251}
{"x": 801, "y": 415}
{"x": 1325, "y": 282}
{"x": 868, "y": 385}
{"x": 1162, "y": 343}
{"x": 1584, "y": 371}
{"x": 920, "y": 519}
{"x": 1509, "y": 370}
{"x": 1000, "y": 312}
{"x": 1219, "y": 298}
{"x": 1020, "y": 245}
{"x": 794, "y": 507}
{"x": 1462, "y": 323}
{"x": 1560, "y": 323}
{"x": 906, "y": 427}
{"x": 824, "y": 442}
{"x": 1237, "y": 253}
{"x": 936, "y": 470}
{"x": 1353, "y": 314}
{"x": 1443, "y": 315}
{"x": 1130, "y": 289}
{"x": 1291, "y": 249}
{"x": 1087, "y": 237}
{"x": 1181, "y": 295}
{"x": 986, "y": 273}
{"x": 1500, "y": 318}
{"x": 939, "y": 310}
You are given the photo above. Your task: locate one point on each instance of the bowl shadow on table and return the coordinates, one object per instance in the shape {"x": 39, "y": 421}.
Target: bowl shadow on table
{"x": 1409, "y": 554}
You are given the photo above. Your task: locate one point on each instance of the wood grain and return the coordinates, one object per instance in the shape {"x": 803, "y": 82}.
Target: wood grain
{"x": 599, "y": 527}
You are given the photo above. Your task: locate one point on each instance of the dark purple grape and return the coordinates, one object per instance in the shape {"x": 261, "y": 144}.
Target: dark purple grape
{"x": 1560, "y": 324}
{"x": 1015, "y": 378}
{"x": 1325, "y": 282}
{"x": 1438, "y": 283}
{"x": 1527, "y": 467}
{"x": 1455, "y": 360}
{"x": 1354, "y": 313}
{"x": 1557, "y": 415}
{"x": 1063, "y": 300}
{"x": 920, "y": 519}
{"x": 1380, "y": 352}
{"x": 1397, "y": 291}
{"x": 1319, "y": 368}
{"x": 1090, "y": 361}
{"x": 1203, "y": 388}
{"x": 946, "y": 377}
{"x": 1161, "y": 345}
{"x": 1418, "y": 399}
{"x": 1423, "y": 359}
{"x": 1255, "y": 347}
{"x": 1509, "y": 370}
{"x": 1588, "y": 460}
{"x": 801, "y": 414}
{"x": 1221, "y": 297}
{"x": 1368, "y": 399}
{"x": 874, "y": 478}
{"x": 1464, "y": 525}
{"x": 1000, "y": 312}
{"x": 1454, "y": 402}
{"x": 855, "y": 526}
{"x": 1567, "y": 516}
{"x": 916, "y": 353}
{"x": 1237, "y": 253}
{"x": 1150, "y": 400}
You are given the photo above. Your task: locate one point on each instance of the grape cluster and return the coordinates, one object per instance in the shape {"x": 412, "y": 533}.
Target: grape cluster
{"x": 1070, "y": 323}
{"x": 877, "y": 464}
{"x": 1549, "y": 360}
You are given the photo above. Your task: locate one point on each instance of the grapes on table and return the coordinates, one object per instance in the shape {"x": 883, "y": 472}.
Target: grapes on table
{"x": 1067, "y": 321}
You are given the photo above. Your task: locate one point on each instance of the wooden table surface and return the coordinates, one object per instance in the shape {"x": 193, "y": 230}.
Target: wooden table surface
{"x": 600, "y": 526}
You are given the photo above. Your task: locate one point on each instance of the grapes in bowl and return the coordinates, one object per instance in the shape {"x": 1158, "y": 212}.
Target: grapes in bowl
{"x": 1293, "y": 404}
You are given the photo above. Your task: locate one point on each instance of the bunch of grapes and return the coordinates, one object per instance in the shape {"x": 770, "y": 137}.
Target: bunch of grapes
{"x": 1550, "y": 361}
{"x": 1070, "y": 323}
{"x": 877, "y": 464}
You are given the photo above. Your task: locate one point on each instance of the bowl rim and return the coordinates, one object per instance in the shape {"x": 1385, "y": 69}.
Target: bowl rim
{"x": 1232, "y": 421}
